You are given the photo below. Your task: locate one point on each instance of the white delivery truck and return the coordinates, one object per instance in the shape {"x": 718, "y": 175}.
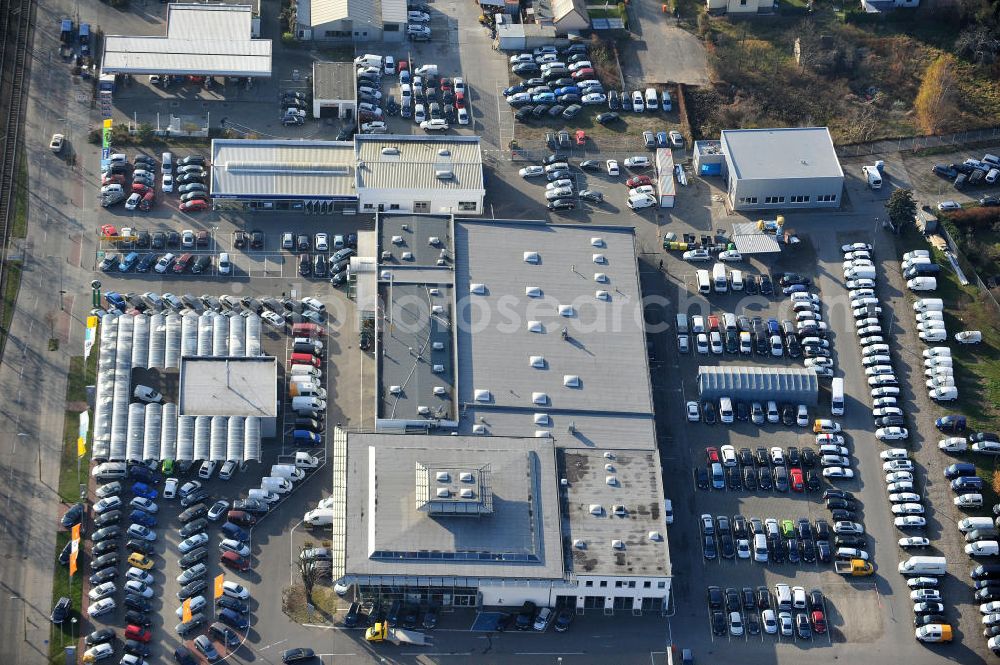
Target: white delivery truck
{"x": 924, "y": 565}
{"x": 288, "y": 472}
{"x": 319, "y": 517}
{"x": 274, "y": 484}
{"x": 263, "y": 495}
{"x": 837, "y": 396}
{"x": 873, "y": 176}
{"x": 719, "y": 280}
{"x": 928, "y": 305}
{"x": 301, "y": 460}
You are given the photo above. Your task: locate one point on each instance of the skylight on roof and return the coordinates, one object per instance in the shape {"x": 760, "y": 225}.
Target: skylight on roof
{"x": 539, "y": 398}
{"x": 536, "y": 327}
{"x": 537, "y": 361}
{"x": 600, "y": 277}
{"x": 600, "y": 258}
{"x": 571, "y": 381}
{"x": 532, "y": 292}
{"x": 532, "y": 257}
{"x": 483, "y": 395}
{"x": 566, "y": 310}
{"x": 597, "y": 242}
{"x": 477, "y": 289}
{"x": 542, "y": 419}
{"x": 602, "y": 295}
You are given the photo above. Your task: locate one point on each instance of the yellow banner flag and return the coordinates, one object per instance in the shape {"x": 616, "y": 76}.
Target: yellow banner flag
{"x": 186, "y": 612}
{"x": 107, "y": 123}
{"x": 81, "y": 446}
{"x": 92, "y": 321}
{"x": 218, "y": 585}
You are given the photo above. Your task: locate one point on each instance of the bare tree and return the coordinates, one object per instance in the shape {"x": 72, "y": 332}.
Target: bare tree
{"x": 310, "y": 574}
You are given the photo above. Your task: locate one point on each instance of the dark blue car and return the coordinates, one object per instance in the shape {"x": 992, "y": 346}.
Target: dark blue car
{"x": 115, "y": 300}
{"x": 568, "y": 90}
{"x": 953, "y": 424}
{"x": 234, "y": 619}
{"x": 236, "y": 533}
{"x": 128, "y": 261}
{"x": 661, "y": 140}
{"x": 143, "y": 518}
{"x": 144, "y": 490}
{"x": 144, "y": 474}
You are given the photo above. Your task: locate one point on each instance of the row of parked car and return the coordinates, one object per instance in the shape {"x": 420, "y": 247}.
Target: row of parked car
{"x": 777, "y": 468}
{"x": 748, "y": 611}
{"x": 140, "y": 194}
{"x": 983, "y": 171}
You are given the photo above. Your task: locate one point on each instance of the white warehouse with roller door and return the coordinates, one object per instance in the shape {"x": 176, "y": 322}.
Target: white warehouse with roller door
{"x": 218, "y": 393}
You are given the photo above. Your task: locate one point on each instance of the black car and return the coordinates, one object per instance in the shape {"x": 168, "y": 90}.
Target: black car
{"x": 224, "y": 634}
{"x": 193, "y": 513}
{"x": 590, "y": 165}
{"x": 749, "y": 478}
{"x": 808, "y": 458}
{"x": 924, "y": 619}
{"x": 822, "y": 530}
{"x": 752, "y": 287}
{"x": 526, "y": 617}
{"x": 192, "y": 557}
{"x": 192, "y": 589}
{"x": 138, "y": 618}
{"x": 191, "y": 528}
{"x": 740, "y": 527}
{"x": 732, "y": 600}
{"x": 201, "y": 264}
{"x": 839, "y": 515}
{"x": 766, "y": 287}
{"x": 199, "y": 494}
{"x": 726, "y": 546}
{"x": 813, "y": 483}
{"x": 744, "y": 455}
{"x": 845, "y": 504}
{"x": 701, "y": 480}
{"x": 137, "y": 648}
{"x": 840, "y": 494}
{"x": 808, "y": 551}
{"x": 410, "y": 616}
{"x": 743, "y": 414}
{"x": 60, "y": 612}
{"x": 753, "y": 623}
{"x": 788, "y": 415}
{"x": 858, "y": 542}
{"x": 709, "y": 550}
{"x": 764, "y": 478}
{"x": 747, "y": 596}
{"x": 793, "y": 456}
{"x": 803, "y": 528}
{"x": 137, "y": 603}
{"x": 351, "y": 618}
{"x": 708, "y": 413}
{"x": 102, "y": 576}
{"x": 890, "y": 421}
{"x": 104, "y": 547}
{"x": 792, "y": 550}
{"x": 780, "y": 479}
{"x": 554, "y": 158}
{"x": 776, "y": 548}
{"x": 141, "y": 546}
{"x": 763, "y": 598}
{"x": 100, "y": 637}
{"x": 146, "y": 262}
{"x": 762, "y": 457}
{"x": 108, "y": 518}
{"x": 715, "y": 598}
{"x": 790, "y": 278}
{"x": 607, "y": 119}
{"x": 803, "y": 627}
{"x": 719, "y": 626}
{"x": 592, "y": 196}
{"x": 562, "y": 204}
{"x": 104, "y": 561}
{"x": 733, "y": 479}
{"x": 250, "y": 505}
{"x": 191, "y": 159}
{"x": 562, "y": 621}
{"x": 823, "y": 552}
{"x": 234, "y": 604}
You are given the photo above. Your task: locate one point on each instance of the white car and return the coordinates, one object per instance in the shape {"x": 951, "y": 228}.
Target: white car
{"x": 459, "y": 84}
{"x": 882, "y": 412}
{"x": 638, "y": 104}
{"x": 170, "y": 488}
{"x": 838, "y": 472}
{"x": 848, "y": 528}
{"x": 770, "y": 621}
{"x": 937, "y": 352}
{"x": 880, "y": 370}
{"x": 418, "y": 17}
{"x": 969, "y": 337}
{"x": 899, "y": 477}
{"x": 904, "y": 497}
{"x": 139, "y": 575}
{"x": 832, "y": 460}
{"x": 697, "y": 255}
{"x": 908, "y": 509}
{"x": 193, "y": 542}
{"x": 463, "y": 116}
{"x": 804, "y": 297}
{"x": 715, "y": 339}
{"x": 861, "y": 283}
{"x": 730, "y": 255}
{"x": 898, "y": 465}
{"x": 374, "y": 127}
{"x": 531, "y": 171}
{"x": 693, "y": 412}
{"x": 856, "y": 255}
{"x": 895, "y": 488}
{"x": 612, "y": 165}
{"x": 559, "y": 184}
{"x": 108, "y": 503}
{"x": 594, "y": 98}
{"x": 909, "y": 521}
{"x": 826, "y": 438}
{"x": 892, "y": 434}
{"x": 777, "y": 456}
{"x": 954, "y": 444}
{"x": 924, "y": 595}
{"x": 637, "y": 162}
{"x": 103, "y": 606}
{"x": 434, "y": 125}
{"x": 133, "y": 201}
{"x": 851, "y": 553}
{"x": 936, "y": 335}
{"x": 138, "y": 588}
{"x": 728, "y": 455}
{"x": 830, "y": 449}
{"x": 167, "y": 182}
{"x": 856, "y": 247}
{"x": 787, "y": 626}
{"x": 144, "y": 504}
{"x": 197, "y": 604}
{"x": 643, "y": 190}
{"x": 885, "y": 391}
{"x": 948, "y": 205}
{"x": 273, "y": 318}
{"x": 894, "y": 453}
{"x": 102, "y": 591}
{"x": 817, "y": 362}
{"x": 234, "y": 590}
{"x": 743, "y": 548}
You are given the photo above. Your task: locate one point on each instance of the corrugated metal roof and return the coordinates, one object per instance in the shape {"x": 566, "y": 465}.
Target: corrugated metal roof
{"x": 665, "y": 170}
{"x": 334, "y": 81}
{"x": 329, "y": 11}
{"x": 418, "y": 160}
{"x": 211, "y": 40}
{"x": 393, "y": 11}
{"x": 782, "y": 384}
{"x": 276, "y": 168}
{"x": 756, "y": 243}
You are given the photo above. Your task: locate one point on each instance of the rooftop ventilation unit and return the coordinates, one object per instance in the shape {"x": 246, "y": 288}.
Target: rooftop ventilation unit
{"x": 438, "y": 309}
{"x": 387, "y": 255}
{"x": 655, "y": 536}
{"x": 396, "y": 390}
{"x": 532, "y": 292}
{"x": 571, "y": 381}
{"x": 537, "y": 361}
{"x": 434, "y": 241}
{"x": 479, "y": 429}
{"x": 405, "y": 227}
{"x": 390, "y": 150}
{"x": 532, "y": 257}
{"x": 612, "y": 480}
{"x": 443, "y": 253}
{"x": 597, "y": 242}
{"x": 444, "y": 174}
{"x": 397, "y": 240}
{"x": 600, "y": 258}
{"x": 566, "y": 310}
{"x": 478, "y": 289}
{"x": 619, "y": 510}
{"x": 596, "y": 509}
{"x": 542, "y": 434}
{"x": 441, "y": 263}
{"x": 440, "y": 391}
{"x": 602, "y": 295}
{"x": 580, "y": 544}
{"x": 423, "y": 410}
{"x": 466, "y": 477}
{"x": 466, "y": 493}
{"x": 437, "y": 369}
{"x": 539, "y": 398}
{"x": 609, "y": 455}
{"x": 443, "y": 493}
{"x": 434, "y": 292}
{"x": 542, "y": 419}
{"x": 600, "y": 277}
{"x": 437, "y": 346}
{"x": 536, "y": 327}
{"x": 617, "y": 544}
{"x": 610, "y": 468}
{"x": 482, "y": 395}
{"x": 442, "y": 477}
{"x": 444, "y": 152}
{"x": 407, "y": 256}
{"x": 386, "y": 274}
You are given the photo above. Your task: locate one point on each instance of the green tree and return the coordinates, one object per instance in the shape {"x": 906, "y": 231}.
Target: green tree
{"x": 901, "y": 207}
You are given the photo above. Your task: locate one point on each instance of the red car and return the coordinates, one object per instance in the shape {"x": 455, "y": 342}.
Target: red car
{"x": 139, "y": 188}
{"x": 304, "y": 359}
{"x": 819, "y": 621}
{"x": 460, "y": 100}
{"x": 638, "y": 181}
{"x": 797, "y": 484}
{"x": 445, "y": 85}
{"x": 182, "y": 263}
{"x": 194, "y": 205}
{"x": 133, "y": 632}
{"x": 307, "y": 330}
{"x": 116, "y": 179}
{"x": 581, "y": 137}
{"x": 402, "y": 66}
{"x": 712, "y": 453}
{"x": 586, "y": 72}
{"x": 713, "y": 322}
{"x": 234, "y": 561}
{"x": 240, "y": 517}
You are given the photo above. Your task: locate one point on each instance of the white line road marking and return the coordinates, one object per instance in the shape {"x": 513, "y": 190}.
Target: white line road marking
{"x": 548, "y": 653}
{"x": 274, "y": 644}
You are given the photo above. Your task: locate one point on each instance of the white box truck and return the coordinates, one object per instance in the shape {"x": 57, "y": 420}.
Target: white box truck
{"x": 719, "y": 280}
{"x": 301, "y": 460}
{"x": 273, "y": 484}
{"x": 288, "y": 472}
{"x": 873, "y": 176}
{"x": 924, "y": 565}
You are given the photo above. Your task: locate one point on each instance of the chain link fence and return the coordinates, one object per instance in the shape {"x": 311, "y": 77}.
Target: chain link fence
{"x": 915, "y": 143}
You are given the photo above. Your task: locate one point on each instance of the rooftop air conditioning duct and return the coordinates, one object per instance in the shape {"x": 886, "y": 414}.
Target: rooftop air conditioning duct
{"x": 387, "y": 255}
{"x": 478, "y": 289}
{"x": 602, "y": 295}
{"x": 405, "y": 227}
{"x": 532, "y": 292}
{"x": 396, "y": 390}
{"x": 437, "y": 369}
{"x": 443, "y": 174}
{"x": 423, "y": 410}
{"x": 619, "y": 510}
{"x": 444, "y": 152}
{"x": 466, "y": 477}
{"x": 596, "y": 509}
{"x": 610, "y": 468}
{"x": 479, "y": 429}
{"x": 441, "y": 263}
{"x": 600, "y": 277}
{"x": 443, "y": 253}
{"x": 539, "y": 398}
{"x": 571, "y": 381}
{"x": 537, "y": 361}
{"x": 483, "y": 396}
{"x": 437, "y": 346}
{"x": 466, "y": 493}
{"x": 434, "y": 292}
{"x": 580, "y": 544}
{"x": 440, "y": 391}
{"x": 407, "y": 256}
{"x": 535, "y": 326}
{"x": 597, "y": 242}
{"x": 542, "y": 419}
{"x": 610, "y": 480}
{"x": 443, "y": 493}
{"x": 434, "y": 241}
{"x": 532, "y": 257}
{"x": 438, "y": 309}
{"x": 609, "y": 455}
{"x": 442, "y": 477}
{"x": 600, "y": 258}
{"x": 655, "y": 536}
{"x": 617, "y": 544}
{"x": 397, "y": 240}
{"x": 566, "y": 310}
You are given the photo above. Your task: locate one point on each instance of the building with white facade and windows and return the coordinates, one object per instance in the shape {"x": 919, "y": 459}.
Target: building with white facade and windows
{"x": 742, "y": 7}
{"x": 777, "y": 169}
{"x": 350, "y": 20}
{"x": 335, "y": 92}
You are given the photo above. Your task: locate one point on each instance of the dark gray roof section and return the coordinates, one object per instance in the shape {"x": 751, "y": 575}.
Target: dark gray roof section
{"x": 614, "y": 506}
{"x": 389, "y": 534}
{"x": 334, "y": 81}
{"x": 413, "y": 235}
{"x": 781, "y": 384}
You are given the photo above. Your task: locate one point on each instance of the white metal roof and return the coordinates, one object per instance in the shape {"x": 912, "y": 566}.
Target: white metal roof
{"x": 282, "y": 169}
{"x": 419, "y": 162}
{"x": 211, "y": 40}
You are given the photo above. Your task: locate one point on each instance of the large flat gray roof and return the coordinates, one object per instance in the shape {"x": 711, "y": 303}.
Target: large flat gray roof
{"x": 412, "y": 234}
{"x": 789, "y": 152}
{"x": 637, "y": 488}
{"x": 228, "y": 386}
{"x": 513, "y": 282}
{"x": 388, "y": 534}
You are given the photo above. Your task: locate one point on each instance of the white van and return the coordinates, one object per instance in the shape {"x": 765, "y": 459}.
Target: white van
{"x": 308, "y": 404}
{"x": 971, "y": 500}
{"x": 305, "y": 370}
{"x": 319, "y": 517}
{"x": 760, "y": 548}
{"x": 983, "y": 548}
{"x": 736, "y": 280}
{"x": 943, "y": 394}
{"x": 863, "y": 272}
{"x": 167, "y": 159}
{"x": 704, "y": 283}
{"x": 640, "y": 201}
{"x": 837, "y": 396}
{"x": 368, "y": 60}
{"x": 725, "y": 410}
{"x": 298, "y": 390}
{"x": 972, "y": 523}
{"x": 992, "y": 176}
{"x": 652, "y": 103}
{"x": 110, "y": 471}
{"x": 924, "y": 565}
{"x": 922, "y": 284}
{"x": 916, "y": 252}
{"x": 682, "y": 324}
{"x": 917, "y": 261}
{"x": 719, "y": 278}
{"x": 929, "y": 305}
{"x": 783, "y": 594}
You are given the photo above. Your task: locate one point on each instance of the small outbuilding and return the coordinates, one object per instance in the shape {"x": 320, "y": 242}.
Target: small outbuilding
{"x": 334, "y": 90}
{"x": 784, "y": 385}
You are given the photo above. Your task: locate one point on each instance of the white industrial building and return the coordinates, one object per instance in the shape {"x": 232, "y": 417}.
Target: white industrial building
{"x": 566, "y": 16}
{"x": 549, "y": 487}
{"x": 778, "y": 169}
{"x": 350, "y": 20}
{"x": 201, "y": 40}
{"x": 335, "y": 94}
{"x": 739, "y": 6}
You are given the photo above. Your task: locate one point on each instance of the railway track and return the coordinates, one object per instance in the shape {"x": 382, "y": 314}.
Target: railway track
{"x": 16, "y": 25}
